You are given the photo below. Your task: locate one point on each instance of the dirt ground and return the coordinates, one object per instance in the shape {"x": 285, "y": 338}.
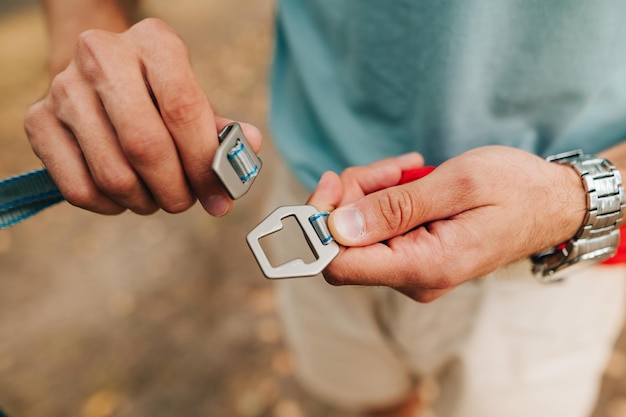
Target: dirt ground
{"x": 154, "y": 316}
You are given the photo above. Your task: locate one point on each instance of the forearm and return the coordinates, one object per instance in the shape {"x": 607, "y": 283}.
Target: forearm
{"x": 66, "y": 19}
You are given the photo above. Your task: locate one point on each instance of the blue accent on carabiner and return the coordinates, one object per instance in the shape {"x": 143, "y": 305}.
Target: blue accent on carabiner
{"x": 318, "y": 221}
{"x": 250, "y": 174}
{"x": 27, "y": 194}
{"x": 242, "y": 163}
{"x": 236, "y": 151}
{"x": 328, "y": 239}
{"x": 319, "y": 215}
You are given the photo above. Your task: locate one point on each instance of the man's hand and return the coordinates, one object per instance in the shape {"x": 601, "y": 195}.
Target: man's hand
{"x": 127, "y": 126}
{"x": 473, "y": 214}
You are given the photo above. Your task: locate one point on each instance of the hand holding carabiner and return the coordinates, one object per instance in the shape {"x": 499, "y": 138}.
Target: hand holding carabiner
{"x": 313, "y": 222}
{"x": 127, "y": 126}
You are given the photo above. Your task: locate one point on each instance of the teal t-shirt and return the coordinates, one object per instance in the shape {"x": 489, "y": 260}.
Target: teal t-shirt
{"x": 355, "y": 81}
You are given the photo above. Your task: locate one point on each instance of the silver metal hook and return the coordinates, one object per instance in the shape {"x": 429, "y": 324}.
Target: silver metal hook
{"x": 235, "y": 163}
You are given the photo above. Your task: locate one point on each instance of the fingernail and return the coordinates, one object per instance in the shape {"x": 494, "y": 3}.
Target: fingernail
{"x": 349, "y": 223}
{"x": 217, "y": 205}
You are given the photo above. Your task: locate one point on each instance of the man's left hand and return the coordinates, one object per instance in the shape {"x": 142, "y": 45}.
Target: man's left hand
{"x": 474, "y": 213}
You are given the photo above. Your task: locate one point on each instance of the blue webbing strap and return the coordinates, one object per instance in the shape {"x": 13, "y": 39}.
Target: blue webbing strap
{"x": 26, "y": 194}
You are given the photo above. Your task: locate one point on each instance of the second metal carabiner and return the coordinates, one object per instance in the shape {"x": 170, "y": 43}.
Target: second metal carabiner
{"x": 235, "y": 163}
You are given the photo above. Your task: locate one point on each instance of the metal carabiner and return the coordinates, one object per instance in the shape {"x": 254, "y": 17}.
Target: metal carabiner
{"x": 313, "y": 224}
{"x": 235, "y": 163}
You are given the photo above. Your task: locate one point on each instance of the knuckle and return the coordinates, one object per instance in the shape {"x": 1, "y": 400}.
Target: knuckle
{"x": 116, "y": 183}
{"x": 61, "y": 97}
{"x": 424, "y": 296}
{"x": 351, "y": 176}
{"x": 142, "y": 145}
{"x": 60, "y": 87}
{"x": 125, "y": 188}
{"x": 469, "y": 187}
{"x": 154, "y": 28}
{"x": 335, "y": 275}
{"x": 396, "y": 208}
{"x": 151, "y": 25}
{"x": 92, "y": 48}
{"x": 81, "y": 195}
{"x": 37, "y": 129}
{"x": 333, "y": 279}
{"x": 33, "y": 119}
{"x": 350, "y": 173}
{"x": 468, "y": 181}
{"x": 183, "y": 108}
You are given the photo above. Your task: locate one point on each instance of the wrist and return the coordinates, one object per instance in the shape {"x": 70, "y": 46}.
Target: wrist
{"x": 598, "y": 237}
{"x": 573, "y": 207}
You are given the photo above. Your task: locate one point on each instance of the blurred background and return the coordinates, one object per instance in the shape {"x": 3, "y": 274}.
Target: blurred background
{"x": 161, "y": 315}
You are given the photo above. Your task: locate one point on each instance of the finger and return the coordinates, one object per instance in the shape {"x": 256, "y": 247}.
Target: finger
{"x": 79, "y": 109}
{"x": 411, "y": 160}
{"x": 143, "y": 137}
{"x": 437, "y": 256}
{"x": 363, "y": 180}
{"x": 188, "y": 115}
{"x": 185, "y": 111}
{"x": 392, "y": 266}
{"x": 348, "y": 269}
{"x": 62, "y": 157}
{"x": 395, "y": 210}
{"x": 333, "y": 190}
{"x": 423, "y": 295}
{"x": 328, "y": 192}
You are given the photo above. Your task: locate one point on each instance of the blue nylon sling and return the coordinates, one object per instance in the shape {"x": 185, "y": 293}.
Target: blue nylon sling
{"x": 26, "y": 194}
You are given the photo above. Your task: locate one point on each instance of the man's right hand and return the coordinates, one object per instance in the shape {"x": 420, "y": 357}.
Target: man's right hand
{"x": 127, "y": 126}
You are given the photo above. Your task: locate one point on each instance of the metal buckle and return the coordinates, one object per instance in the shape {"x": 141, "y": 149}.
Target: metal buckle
{"x": 235, "y": 163}
{"x": 324, "y": 252}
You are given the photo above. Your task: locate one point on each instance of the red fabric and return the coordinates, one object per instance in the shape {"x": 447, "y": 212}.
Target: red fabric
{"x": 417, "y": 173}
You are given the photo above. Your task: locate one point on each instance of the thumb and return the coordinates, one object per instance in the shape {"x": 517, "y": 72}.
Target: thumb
{"x": 378, "y": 216}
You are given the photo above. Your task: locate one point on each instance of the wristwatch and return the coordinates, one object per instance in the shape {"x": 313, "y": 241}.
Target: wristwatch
{"x": 597, "y": 240}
